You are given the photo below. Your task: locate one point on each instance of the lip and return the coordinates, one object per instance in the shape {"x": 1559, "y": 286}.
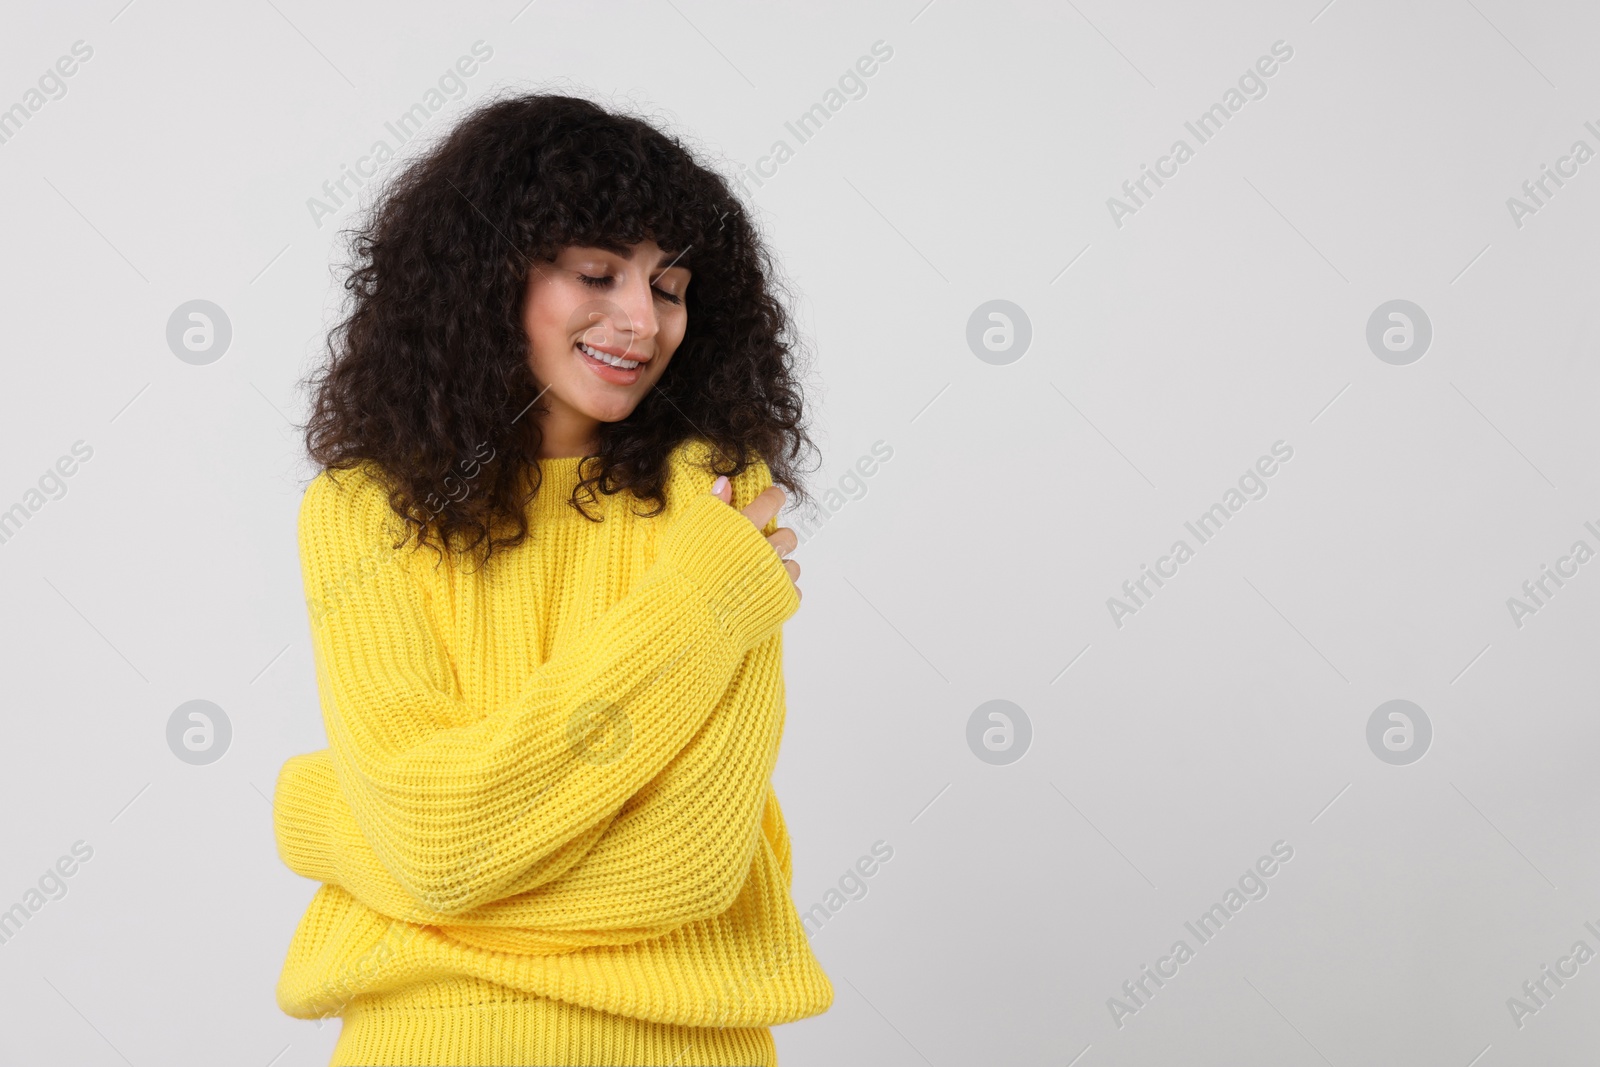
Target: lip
{"x": 605, "y": 371}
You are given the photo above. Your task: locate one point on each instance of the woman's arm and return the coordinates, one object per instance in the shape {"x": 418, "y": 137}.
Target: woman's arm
{"x": 457, "y": 813}
{"x": 678, "y": 851}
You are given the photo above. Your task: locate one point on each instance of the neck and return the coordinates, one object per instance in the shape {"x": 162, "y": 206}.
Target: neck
{"x": 572, "y": 437}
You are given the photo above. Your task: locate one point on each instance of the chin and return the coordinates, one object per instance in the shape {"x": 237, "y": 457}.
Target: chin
{"x": 612, "y": 409}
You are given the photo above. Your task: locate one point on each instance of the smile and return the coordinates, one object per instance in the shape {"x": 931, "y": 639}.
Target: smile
{"x": 615, "y": 361}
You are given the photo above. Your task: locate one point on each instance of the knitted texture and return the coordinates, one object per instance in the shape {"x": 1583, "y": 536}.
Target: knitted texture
{"x": 544, "y": 823}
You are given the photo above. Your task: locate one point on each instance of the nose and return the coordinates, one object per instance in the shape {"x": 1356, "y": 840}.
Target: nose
{"x": 639, "y": 306}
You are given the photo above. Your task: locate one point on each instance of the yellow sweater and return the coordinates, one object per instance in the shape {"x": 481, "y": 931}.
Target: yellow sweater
{"x": 545, "y": 822}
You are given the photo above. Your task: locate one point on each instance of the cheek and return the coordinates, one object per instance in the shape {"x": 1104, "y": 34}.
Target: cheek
{"x": 676, "y": 325}
{"x": 545, "y": 317}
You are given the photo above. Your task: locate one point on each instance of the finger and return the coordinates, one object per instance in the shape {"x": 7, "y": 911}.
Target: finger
{"x": 793, "y": 568}
{"x": 725, "y": 492}
{"x": 766, "y": 504}
{"x": 784, "y": 541}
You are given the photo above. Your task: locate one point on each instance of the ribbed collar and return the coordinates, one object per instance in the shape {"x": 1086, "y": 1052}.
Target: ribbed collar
{"x": 558, "y": 477}
{"x": 561, "y": 476}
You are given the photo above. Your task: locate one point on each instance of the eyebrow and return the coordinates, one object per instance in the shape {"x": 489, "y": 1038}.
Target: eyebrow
{"x": 620, "y": 249}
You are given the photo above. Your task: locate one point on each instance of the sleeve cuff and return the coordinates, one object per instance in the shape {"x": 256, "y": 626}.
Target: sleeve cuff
{"x": 299, "y": 819}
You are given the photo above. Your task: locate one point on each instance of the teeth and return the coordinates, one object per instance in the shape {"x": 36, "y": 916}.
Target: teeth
{"x": 615, "y": 361}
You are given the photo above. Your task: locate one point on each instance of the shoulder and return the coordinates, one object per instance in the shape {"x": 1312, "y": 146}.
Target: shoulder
{"x": 347, "y": 508}
{"x": 335, "y": 494}
{"x": 690, "y": 469}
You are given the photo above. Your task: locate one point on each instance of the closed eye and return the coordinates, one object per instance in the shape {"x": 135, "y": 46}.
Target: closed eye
{"x": 601, "y": 283}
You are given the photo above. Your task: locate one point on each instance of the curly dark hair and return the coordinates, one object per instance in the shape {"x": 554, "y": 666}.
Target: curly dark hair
{"x": 431, "y": 364}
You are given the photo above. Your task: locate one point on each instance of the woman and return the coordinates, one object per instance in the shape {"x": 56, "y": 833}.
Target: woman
{"x": 544, "y": 822}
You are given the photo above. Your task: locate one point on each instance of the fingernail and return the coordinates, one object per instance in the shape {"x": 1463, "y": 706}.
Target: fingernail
{"x": 718, "y": 485}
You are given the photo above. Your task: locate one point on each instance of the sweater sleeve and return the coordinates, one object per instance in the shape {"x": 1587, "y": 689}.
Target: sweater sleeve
{"x": 457, "y": 807}
{"x": 679, "y": 850}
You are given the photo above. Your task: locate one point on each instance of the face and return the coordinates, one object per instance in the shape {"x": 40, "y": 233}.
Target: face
{"x": 602, "y": 325}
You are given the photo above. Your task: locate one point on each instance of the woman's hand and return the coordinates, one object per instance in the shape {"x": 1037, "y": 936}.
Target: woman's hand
{"x": 760, "y": 512}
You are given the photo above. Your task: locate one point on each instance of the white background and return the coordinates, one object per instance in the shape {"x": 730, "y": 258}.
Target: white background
{"x": 1168, "y": 353}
